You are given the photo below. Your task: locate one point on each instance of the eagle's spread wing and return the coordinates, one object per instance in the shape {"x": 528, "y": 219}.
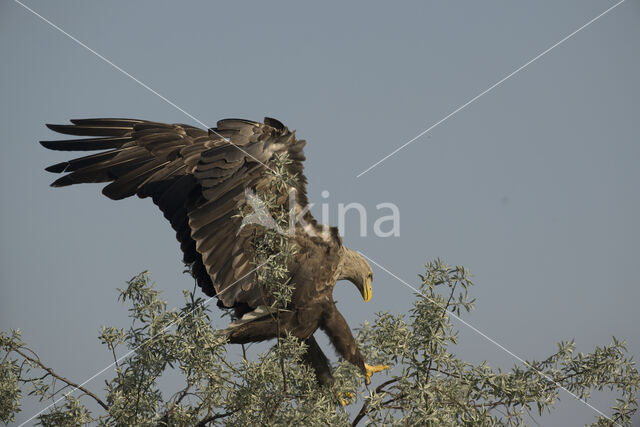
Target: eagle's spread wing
{"x": 194, "y": 176}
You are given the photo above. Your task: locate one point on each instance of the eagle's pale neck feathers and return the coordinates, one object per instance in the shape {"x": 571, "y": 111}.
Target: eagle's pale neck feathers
{"x": 356, "y": 269}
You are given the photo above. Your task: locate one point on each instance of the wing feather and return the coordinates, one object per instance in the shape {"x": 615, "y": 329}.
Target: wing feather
{"x": 196, "y": 178}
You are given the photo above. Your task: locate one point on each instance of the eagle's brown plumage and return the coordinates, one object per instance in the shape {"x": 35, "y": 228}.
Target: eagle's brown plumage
{"x": 198, "y": 180}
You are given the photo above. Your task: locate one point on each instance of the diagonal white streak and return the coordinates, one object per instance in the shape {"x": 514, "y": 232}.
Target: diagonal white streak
{"x": 130, "y": 352}
{"x": 485, "y": 336}
{"x": 489, "y": 89}
{"x": 144, "y": 85}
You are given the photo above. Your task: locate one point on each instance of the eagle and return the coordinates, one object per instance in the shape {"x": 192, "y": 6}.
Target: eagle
{"x": 199, "y": 178}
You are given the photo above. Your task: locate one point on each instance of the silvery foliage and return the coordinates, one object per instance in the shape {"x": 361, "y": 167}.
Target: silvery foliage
{"x": 427, "y": 385}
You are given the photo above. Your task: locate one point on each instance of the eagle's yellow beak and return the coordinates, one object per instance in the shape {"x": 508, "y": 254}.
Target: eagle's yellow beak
{"x": 366, "y": 290}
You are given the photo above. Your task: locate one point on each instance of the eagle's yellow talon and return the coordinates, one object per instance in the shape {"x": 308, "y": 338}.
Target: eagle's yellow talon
{"x": 344, "y": 397}
{"x": 372, "y": 369}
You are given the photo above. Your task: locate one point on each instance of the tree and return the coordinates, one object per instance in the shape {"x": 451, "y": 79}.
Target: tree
{"x": 427, "y": 385}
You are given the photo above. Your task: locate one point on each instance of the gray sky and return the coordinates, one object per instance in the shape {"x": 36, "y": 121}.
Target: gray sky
{"x": 533, "y": 187}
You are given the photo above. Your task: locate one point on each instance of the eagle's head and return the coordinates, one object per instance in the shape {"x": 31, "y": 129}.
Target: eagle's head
{"x": 357, "y": 270}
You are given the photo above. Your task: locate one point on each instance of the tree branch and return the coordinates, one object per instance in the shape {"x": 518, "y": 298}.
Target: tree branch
{"x": 365, "y": 405}
{"x": 51, "y": 372}
{"x": 207, "y": 420}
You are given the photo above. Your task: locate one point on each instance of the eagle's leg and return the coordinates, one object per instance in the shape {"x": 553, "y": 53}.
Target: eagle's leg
{"x": 254, "y": 331}
{"x": 334, "y": 325}
{"x": 320, "y": 364}
{"x": 264, "y": 328}
{"x": 318, "y": 361}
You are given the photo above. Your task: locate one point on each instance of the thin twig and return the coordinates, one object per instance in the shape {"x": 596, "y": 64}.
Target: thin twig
{"x": 207, "y": 420}
{"x": 181, "y": 395}
{"x": 365, "y": 405}
{"x": 37, "y": 361}
{"x": 444, "y": 312}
